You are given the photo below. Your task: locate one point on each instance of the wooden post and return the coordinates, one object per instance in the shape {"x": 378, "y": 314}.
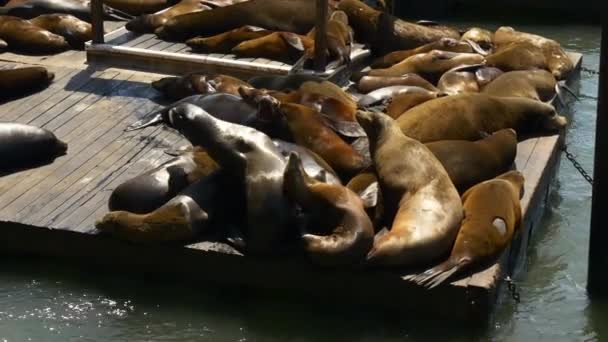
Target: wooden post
{"x": 97, "y": 21}
{"x": 597, "y": 275}
{"x": 321, "y": 36}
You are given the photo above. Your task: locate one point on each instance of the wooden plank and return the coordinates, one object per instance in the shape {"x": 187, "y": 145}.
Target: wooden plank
{"x": 161, "y": 46}
{"x": 140, "y": 39}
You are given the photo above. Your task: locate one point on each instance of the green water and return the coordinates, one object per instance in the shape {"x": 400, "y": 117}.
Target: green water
{"x": 43, "y": 301}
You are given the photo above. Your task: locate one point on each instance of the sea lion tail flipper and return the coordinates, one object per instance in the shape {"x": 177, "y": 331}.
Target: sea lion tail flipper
{"x": 369, "y": 195}
{"x": 437, "y": 275}
{"x": 562, "y": 85}
{"x": 146, "y": 121}
{"x": 477, "y": 48}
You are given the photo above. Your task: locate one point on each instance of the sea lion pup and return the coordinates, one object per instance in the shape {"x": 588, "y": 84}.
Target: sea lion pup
{"x": 557, "y": 60}
{"x": 341, "y": 233}
{"x": 421, "y": 205}
{"x": 177, "y": 88}
{"x": 81, "y": 9}
{"x": 286, "y": 47}
{"x": 152, "y": 189}
{"x": 403, "y": 102}
{"x": 367, "y": 84}
{"x": 140, "y": 7}
{"x": 467, "y": 116}
{"x": 471, "y": 162}
{"x": 385, "y": 33}
{"x": 22, "y": 81}
{"x": 443, "y": 44}
{"x": 74, "y": 30}
{"x": 517, "y": 56}
{"x": 458, "y": 82}
{"x": 22, "y": 35}
{"x": 384, "y": 95}
{"x": 492, "y": 216}
{"x": 297, "y": 16}
{"x": 147, "y": 23}
{"x": 225, "y": 42}
{"x": 24, "y": 146}
{"x": 430, "y": 65}
{"x": 481, "y": 37}
{"x": 312, "y": 163}
{"x": 181, "y": 219}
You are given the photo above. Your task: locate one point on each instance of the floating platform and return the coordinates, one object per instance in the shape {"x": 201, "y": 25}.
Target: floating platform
{"x": 50, "y": 211}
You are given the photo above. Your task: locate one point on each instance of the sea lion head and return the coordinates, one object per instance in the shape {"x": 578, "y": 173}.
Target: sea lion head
{"x": 517, "y": 180}
{"x": 373, "y": 123}
{"x": 543, "y": 118}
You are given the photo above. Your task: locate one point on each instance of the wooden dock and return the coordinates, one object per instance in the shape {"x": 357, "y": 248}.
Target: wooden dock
{"x": 50, "y": 211}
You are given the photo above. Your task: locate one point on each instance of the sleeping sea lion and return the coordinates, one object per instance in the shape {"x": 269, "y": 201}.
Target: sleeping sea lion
{"x": 74, "y": 30}
{"x": 22, "y": 35}
{"x": 405, "y": 101}
{"x": 421, "y": 205}
{"x": 370, "y": 83}
{"x": 492, "y": 216}
{"x": 81, "y": 9}
{"x": 286, "y": 47}
{"x": 534, "y": 84}
{"x": 443, "y": 44}
{"x": 225, "y": 42}
{"x": 23, "y": 81}
{"x": 468, "y": 116}
{"x": 283, "y": 83}
{"x": 458, "y": 82}
{"x": 147, "y": 23}
{"x": 384, "y": 95}
{"x": 483, "y": 38}
{"x": 312, "y": 163}
{"x": 152, "y": 189}
{"x": 339, "y": 231}
{"x": 517, "y": 56}
{"x": 176, "y": 88}
{"x": 24, "y": 146}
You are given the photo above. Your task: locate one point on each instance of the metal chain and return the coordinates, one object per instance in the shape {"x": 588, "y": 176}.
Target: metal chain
{"x": 512, "y": 287}
{"x": 576, "y": 164}
{"x": 591, "y": 71}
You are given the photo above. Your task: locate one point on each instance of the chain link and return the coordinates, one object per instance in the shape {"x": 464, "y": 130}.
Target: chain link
{"x": 512, "y": 287}
{"x": 576, "y": 164}
{"x": 591, "y": 71}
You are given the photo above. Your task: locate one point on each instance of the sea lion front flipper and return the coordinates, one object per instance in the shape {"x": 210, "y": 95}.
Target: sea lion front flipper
{"x": 361, "y": 146}
{"x": 345, "y": 128}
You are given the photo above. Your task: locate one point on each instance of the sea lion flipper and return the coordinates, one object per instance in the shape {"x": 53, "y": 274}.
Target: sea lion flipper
{"x": 369, "y": 196}
{"x": 562, "y": 85}
{"x": 292, "y": 40}
{"x": 477, "y": 48}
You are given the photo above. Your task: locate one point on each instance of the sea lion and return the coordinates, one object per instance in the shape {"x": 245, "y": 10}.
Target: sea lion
{"x": 25, "y": 146}
{"x": 22, "y": 35}
{"x": 468, "y": 116}
{"x": 485, "y": 75}
{"x": 251, "y": 158}
{"x": 471, "y": 162}
{"x": 370, "y": 83}
{"x": 225, "y": 42}
{"x": 152, "y": 189}
{"x": 297, "y": 16}
{"x": 339, "y": 37}
{"x": 483, "y": 38}
{"x": 517, "y": 56}
{"x": 492, "y": 216}
{"x": 405, "y": 101}
{"x": 75, "y": 31}
{"x": 286, "y": 47}
{"x": 81, "y": 9}
{"x": 283, "y": 83}
{"x": 181, "y": 219}
{"x": 147, "y": 23}
{"x": 384, "y": 95}
{"x": 22, "y": 81}
{"x": 3, "y": 45}
{"x": 385, "y": 33}
{"x": 340, "y": 232}
{"x": 312, "y": 163}
{"x": 421, "y": 205}
{"x": 457, "y": 82}
{"x": 176, "y": 88}
{"x": 140, "y": 7}
{"x": 534, "y": 84}
{"x": 557, "y": 60}
{"x": 430, "y": 65}
{"x": 443, "y": 44}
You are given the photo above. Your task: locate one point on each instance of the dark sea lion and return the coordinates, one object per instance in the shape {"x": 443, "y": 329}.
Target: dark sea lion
{"x": 483, "y": 38}
{"x": 249, "y": 157}
{"x": 534, "y": 84}
{"x": 471, "y": 162}
{"x": 152, "y": 189}
{"x": 74, "y": 30}
{"x": 485, "y": 75}
{"x": 421, "y": 205}
{"x": 557, "y": 60}
{"x": 283, "y": 83}
{"x": 176, "y": 88}
{"x": 140, "y": 7}
{"x": 430, "y": 65}
{"x": 286, "y": 47}
{"x": 225, "y": 42}
{"x": 443, "y": 44}
{"x": 371, "y": 83}
{"x": 24, "y": 146}
{"x": 517, "y": 56}
{"x": 147, "y": 23}
{"x": 458, "y": 82}
{"x": 315, "y": 166}
{"x": 297, "y": 16}
{"x": 181, "y": 219}
{"x": 29, "y": 9}
{"x": 384, "y": 95}
{"x": 339, "y": 232}
{"x": 22, "y": 35}
{"x": 403, "y": 102}
{"x": 22, "y": 81}
{"x": 492, "y": 216}
{"x": 468, "y": 116}
{"x": 385, "y": 33}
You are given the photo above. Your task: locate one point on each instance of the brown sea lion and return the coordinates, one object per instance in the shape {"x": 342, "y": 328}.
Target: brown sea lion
{"x": 279, "y": 46}
{"x": 443, "y": 44}
{"x": 147, "y": 23}
{"x": 557, "y": 60}
{"x": 339, "y": 37}
{"x": 458, "y": 82}
{"x": 81, "y": 9}
{"x": 74, "y": 30}
{"x": 22, "y": 35}
{"x": 177, "y": 88}
{"x": 485, "y": 75}
{"x": 468, "y": 116}
{"x": 471, "y": 162}
{"x": 152, "y": 189}
{"x": 140, "y": 7}
{"x": 403, "y": 102}
{"x": 371, "y": 83}
{"x": 384, "y": 95}
{"x": 534, "y": 84}
{"x": 312, "y": 163}
{"x": 225, "y": 42}
{"x": 483, "y": 38}
{"x": 181, "y": 219}
{"x": 339, "y": 232}
{"x": 25, "y": 146}
{"x": 22, "y": 81}
{"x": 492, "y": 216}
{"x": 385, "y": 33}
{"x": 517, "y": 56}
{"x": 297, "y": 16}
{"x": 283, "y": 83}
{"x": 430, "y": 65}
{"x": 421, "y": 205}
